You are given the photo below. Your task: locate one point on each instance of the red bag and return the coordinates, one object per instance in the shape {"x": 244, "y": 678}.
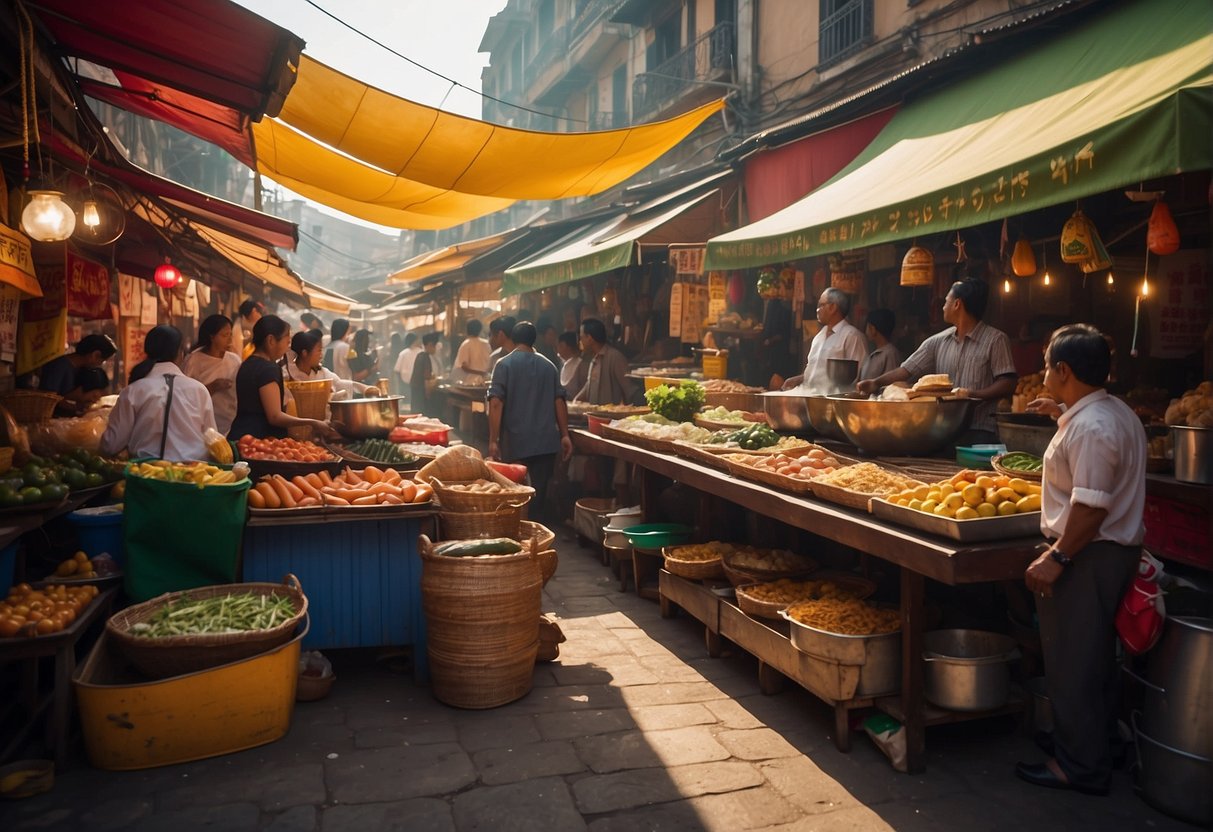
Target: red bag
{"x": 1141, "y": 614}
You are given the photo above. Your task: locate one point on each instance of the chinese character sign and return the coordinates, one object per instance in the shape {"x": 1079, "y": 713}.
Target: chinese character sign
{"x": 88, "y": 288}
{"x": 1180, "y": 306}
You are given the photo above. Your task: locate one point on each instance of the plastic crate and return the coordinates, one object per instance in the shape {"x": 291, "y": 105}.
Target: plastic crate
{"x": 1178, "y": 531}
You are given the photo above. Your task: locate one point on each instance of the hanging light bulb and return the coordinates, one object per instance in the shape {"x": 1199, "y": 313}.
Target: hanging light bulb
{"x": 1044, "y": 250}
{"x": 1110, "y": 280}
{"x": 1006, "y": 286}
{"x": 90, "y": 216}
{"x": 1145, "y": 287}
{"x": 167, "y": 275}
{"x": 102, "y": 216}
{"x": 47, "y": 218}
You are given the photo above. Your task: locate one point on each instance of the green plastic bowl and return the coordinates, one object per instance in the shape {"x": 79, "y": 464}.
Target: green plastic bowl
{"x": 978, "y": 456}
{"x": 656, "y": 535}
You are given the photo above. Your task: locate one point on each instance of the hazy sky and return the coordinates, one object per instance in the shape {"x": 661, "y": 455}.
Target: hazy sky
{"x": 440, "y": 34}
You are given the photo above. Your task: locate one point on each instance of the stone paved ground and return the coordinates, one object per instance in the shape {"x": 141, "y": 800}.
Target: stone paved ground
{"x": 634, "y": 728}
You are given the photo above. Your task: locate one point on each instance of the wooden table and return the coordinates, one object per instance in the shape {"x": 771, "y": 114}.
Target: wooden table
{"x": 58, "y": 701}
{"x": 920, "y": 556}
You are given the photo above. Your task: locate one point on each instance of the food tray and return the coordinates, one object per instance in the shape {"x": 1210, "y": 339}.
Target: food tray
{"x": 713, "y": 424}
{"x": 877, "y": 658}
{"x": 780, "y": 481}
{"x": 695, "y": 570}
{"x": 618, "y": 412}
{"x": 759, "y": 609}
{"x": 72, "y": 580}
{"x": 659, "y": 446}
{"x": 1030, "y": 476}
{"x": 259, "y": 468}
{"x": 858, "y": 586}
{"x": 965, "y": 531}
{"x": 740, "y": 575}
{"x": 736, "y": 401}
{"x": 850, "y": 498}
{"x": 350, "y": 456}
{"x": 699, "y": 453}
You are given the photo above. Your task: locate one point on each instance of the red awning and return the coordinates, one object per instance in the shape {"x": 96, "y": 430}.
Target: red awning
{"x": 776, "y": 178}
{"x": 204, "y": 66}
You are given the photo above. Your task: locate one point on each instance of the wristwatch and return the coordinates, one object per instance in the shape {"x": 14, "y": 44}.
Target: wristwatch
{"x": 1060, "y": 557}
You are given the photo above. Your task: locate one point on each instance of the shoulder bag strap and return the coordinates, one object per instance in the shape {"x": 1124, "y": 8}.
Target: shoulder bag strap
{"x": 169, "y": 378}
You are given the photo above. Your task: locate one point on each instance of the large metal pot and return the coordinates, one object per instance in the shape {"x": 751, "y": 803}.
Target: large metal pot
{"x": 1193, "y": 454}
{"x": 1178, "y": 708}
{"x": 786, "y": 410}
{"x": 366, "y": 418}
{"x": 914, "y": 428}
{"x": 1027, "y": 432}
{"x": 967, "y": 670}
{"x": 878, "y": 657}
{"x": 821, "y": 417}
{"x": 1174, "y": 781}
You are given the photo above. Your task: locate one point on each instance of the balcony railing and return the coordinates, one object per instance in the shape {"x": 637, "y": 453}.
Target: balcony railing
{"x": 845, "y": 32}
{"x": 708, "y": 58}
{"x": 591, "y": 13}
{"x": 554, "y": 47}
{"x": 608, "y": 121}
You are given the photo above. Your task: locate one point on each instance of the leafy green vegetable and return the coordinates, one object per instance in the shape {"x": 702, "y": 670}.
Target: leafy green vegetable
{"x": 679, "y": 403}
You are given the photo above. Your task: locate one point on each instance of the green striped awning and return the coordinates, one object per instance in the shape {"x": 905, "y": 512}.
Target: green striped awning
{"x": 1124, "y": 97}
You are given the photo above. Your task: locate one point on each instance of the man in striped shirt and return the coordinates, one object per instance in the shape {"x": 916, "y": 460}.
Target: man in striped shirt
{"x": 977, "y": 358}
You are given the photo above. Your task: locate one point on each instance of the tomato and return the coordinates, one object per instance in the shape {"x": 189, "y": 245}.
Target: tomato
{"x": 9, "y": 627}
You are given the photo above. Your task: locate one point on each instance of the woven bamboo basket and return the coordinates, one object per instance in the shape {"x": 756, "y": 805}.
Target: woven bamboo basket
{"x": 657, "y": 446}
{"x": 467, "y": 525}
{"x": 780, "y": 481}
{"x": 311, "y": 397}
{"x": 160, "y": 658}
{"x": 738, "y": 576}
{"x": 480, "y": 614}
{"x": 543, "y": 536}
{"x": 856, "y": 585}
{"x": 548, "y": 561}
{"x": 758, "y": 608}
{"x": 695, "y": 570}
{"x": 451, "y": 499}
{"x": 30, "y": 406}
{"x": 859, "y": 500}
{"x": 457, "y": 464}
{"x": 1030, "y": 476}
{"x": 6, "y": 459}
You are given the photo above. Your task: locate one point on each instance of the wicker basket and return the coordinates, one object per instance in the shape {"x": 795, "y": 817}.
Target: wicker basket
{"x": 6, "y": 459}
{"x": 859, "y": 500}
{"x": 159, "y": 658}
{"x": 738, "y": 577}
{"x": 548, "y": 561}
{"x": 543, "y": 536}
{"x": 695, "y": 570}
{"x": 458, "y": 464}
{"x": 468, "y": 525}
{"x": 657, "y": 446}
{"x": 858, "y": 586}
{"x": 480, "y": 614}
{"x": 313, "y": 688}
{"x": 767, "y": 477}
{"x": 735, "y": 401}
{"x": 30, "y": 406}
{"x": 1030, "y": 476}
{"x": 757, "y": 608}
{"x": 311, "y": 397}
{"x": 453, "y": 499}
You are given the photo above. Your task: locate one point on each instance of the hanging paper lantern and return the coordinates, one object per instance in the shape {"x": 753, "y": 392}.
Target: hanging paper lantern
{"x": 1162, "y": 235}
{"x": 1023, "y": 259}
{"x": 736, "y": 289}
{"x": 1077, "y": 243}
{"x": 917, "y": 267}
{"x": 167, "y": 275}
{"x": 768, "y": 283}
{"x": 48, "y": 218}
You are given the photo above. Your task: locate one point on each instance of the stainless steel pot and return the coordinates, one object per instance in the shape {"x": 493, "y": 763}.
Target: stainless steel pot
{"x": 878, "y": 657}
{"x": 366, "y": 418}
{"x": 1027, "y": 432}
{"x": 967, "y": 670}
{"x": 821, "y": 417}
{"x": 786, "y": 411}
{"x": 1178, "y": 708}
{"x": 1174, "y": 781}
{"x": 914, "y": 428}
{"x": 1193, "y": 454}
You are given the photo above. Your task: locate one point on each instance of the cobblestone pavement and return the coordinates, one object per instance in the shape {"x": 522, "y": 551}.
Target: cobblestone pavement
{"x": 633, "y": 728}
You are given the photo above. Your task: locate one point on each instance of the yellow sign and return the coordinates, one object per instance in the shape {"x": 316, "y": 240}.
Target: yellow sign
{"x": 17, "y": 262}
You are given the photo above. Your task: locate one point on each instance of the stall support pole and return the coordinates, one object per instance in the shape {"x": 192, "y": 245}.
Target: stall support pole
{"x": 912, "y": 590}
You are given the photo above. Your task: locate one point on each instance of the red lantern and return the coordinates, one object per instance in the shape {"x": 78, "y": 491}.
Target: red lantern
{"x": 736, "y": 289}
{"x": 167, "y": 275}
{"x": 1162, "y": 235}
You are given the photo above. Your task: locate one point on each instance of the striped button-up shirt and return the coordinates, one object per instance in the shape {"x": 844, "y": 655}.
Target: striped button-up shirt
{"x": 972, "y": 362}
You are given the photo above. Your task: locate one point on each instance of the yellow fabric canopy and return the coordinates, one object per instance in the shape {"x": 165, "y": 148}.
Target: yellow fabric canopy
{"x": 451, "y": 152}
{"x": 327, "y": 300}
{"x": 444, "y": 259}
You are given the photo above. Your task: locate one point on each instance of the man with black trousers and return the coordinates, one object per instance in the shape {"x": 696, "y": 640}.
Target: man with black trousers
{"x": 1092, "y": 498}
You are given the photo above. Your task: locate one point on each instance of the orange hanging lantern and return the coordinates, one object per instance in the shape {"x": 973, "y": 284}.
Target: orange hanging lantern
{"x": 1023, "y": 259}
{"x": 1077, "y": 243}
{"x": 917, "y": 267}
{"x": 1162, "y": 235}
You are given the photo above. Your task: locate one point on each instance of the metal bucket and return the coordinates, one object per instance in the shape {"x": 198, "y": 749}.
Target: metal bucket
{"x": 1174, "y": 781}
{"x": 1193, "y": 454}
{"x": 1178, "y": 707}
{"x": 967, "y": 670}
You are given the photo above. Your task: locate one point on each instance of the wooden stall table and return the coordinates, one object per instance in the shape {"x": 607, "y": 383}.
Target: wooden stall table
{"x": 58, "y": 702}
{"x": 919, "y": 556}
{"x": 361, "y": 573}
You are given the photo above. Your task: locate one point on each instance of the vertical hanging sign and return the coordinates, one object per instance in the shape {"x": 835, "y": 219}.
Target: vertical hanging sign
{"x": 677, "y": 304}
{"x": 42, "y": 334}
{"x": 718, "y": 302}
{"x": 10, "y": 306}
{"x": 88, "y": 288}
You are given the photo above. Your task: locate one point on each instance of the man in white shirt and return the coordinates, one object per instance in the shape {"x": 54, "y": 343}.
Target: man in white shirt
{"x": 138, "y": 421}
{"x": 337, "y": 356}
{"x": 407, "y": 358}
{"x": 573, "y": 369}
{"x": 472, "y": 360}
{"x": 836, "y": 339}
{"x": 1092, "y": 498}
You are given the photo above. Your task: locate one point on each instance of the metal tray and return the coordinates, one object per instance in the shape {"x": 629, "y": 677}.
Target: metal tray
{"x": 965, "y": 531}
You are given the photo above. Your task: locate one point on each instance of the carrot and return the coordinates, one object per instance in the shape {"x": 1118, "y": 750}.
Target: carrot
{"x": 333, "y": 500}
{"x": 295, "y": 491}
{"x": 423, "y": 495}
{"x": 314, "y": 481}
{"x": 350, "y": 477}
{"x": 284, "y": 494}
{"x": 368, "y": 500}
{"x": 309, "y": 501}
{"x": 391, "y": 475}
{"x": 255, "y": 500}
{"x": 392, "y": 500}
{"x": 325, "y": 478}
{"x": 306, "y": 487}
{"x": 408, "y": 491}
{"x": 372, "y": 474}
{"x": 269, "y": 495}
{"x": 384, "y": 488}
{"x": 360, "y": 485}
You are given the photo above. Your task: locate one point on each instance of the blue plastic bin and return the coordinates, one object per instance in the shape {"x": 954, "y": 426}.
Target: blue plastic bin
{"x": 8, "y": 563}
{"x": 100, "y": 530}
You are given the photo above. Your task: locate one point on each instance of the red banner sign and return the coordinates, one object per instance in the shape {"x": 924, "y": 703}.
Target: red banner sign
{"x": 88, "y": 288}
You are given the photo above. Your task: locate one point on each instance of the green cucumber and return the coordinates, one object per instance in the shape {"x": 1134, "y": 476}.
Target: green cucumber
{"x": 471, "y": 548}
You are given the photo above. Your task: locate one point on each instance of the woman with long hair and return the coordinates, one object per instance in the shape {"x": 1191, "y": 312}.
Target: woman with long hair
{"x": 162, "y": 413}
{"x": 212, "y": 362}
{"x": 260, "y": 393}
{"x": 304, "y": 362}
{"x": 364, "y": 361}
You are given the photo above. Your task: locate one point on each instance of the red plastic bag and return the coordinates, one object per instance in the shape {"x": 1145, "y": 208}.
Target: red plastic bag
{"x": 1142, "y": 613}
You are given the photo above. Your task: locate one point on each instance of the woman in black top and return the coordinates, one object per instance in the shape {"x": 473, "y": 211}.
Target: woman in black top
{"x": 259, "y": 389}
{"x": 363, "y": 361}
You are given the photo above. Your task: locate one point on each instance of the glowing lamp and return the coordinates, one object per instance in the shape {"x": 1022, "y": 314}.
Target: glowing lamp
{"x": 167, "y": 275}
{"x": 90, "y": 216}
{"x": 1006, "y": 287}
{"x": 47, "y": 218}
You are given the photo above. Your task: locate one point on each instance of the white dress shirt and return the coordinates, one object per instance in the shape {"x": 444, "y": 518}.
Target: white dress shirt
{"x": 838, "y": 341}
{"x": 203, "y": 367}
{"x": 137, "y": 420}
{"x": 405, "y": 362}
{"x": 291, "y": 372}
{"x": 568, "y": 373}
{"x": 341, "y": 359}
{"x": 475, "y": 353}
{"x": 1097, "y": 458}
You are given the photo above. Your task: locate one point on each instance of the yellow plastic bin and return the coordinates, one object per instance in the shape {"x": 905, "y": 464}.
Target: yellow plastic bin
{"x": 130, "y": 723}
{"x": 656, "y": 381}
{"x": 716, "y": 366}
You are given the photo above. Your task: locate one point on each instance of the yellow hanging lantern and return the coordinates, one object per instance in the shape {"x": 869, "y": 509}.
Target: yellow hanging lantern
{"x": 1077, "y": 244}
{"x": 917, "y": 267}
{"x": 1162, "y": 235}
{"x": 1023, "y": 259}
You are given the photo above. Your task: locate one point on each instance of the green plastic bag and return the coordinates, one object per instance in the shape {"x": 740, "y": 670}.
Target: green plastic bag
{"x": 180, "y": 536}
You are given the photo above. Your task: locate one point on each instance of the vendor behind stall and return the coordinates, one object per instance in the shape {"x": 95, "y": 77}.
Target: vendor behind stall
{"x": 62, "y": 375}
{"x": 975, "y": 356}
{"x": 213, "y": 363}
{"x": 423, "y": 384}
{"x": 884, "y": 355}
{"x": 606, "y": 380}
{"x": 303, "y": 363}
{"x": 260, "y": 393}
{"x": 837, "y": 338}
{"x": 363, "y": 359}
{"x": 163, "y": 413}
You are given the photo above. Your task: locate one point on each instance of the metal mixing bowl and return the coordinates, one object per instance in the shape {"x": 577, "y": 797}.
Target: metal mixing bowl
{"x": 366, "y": 418}
{"x": 821, "y": 416}
{"x": 913, "y": 428}
{"x": 787, "y": 410}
